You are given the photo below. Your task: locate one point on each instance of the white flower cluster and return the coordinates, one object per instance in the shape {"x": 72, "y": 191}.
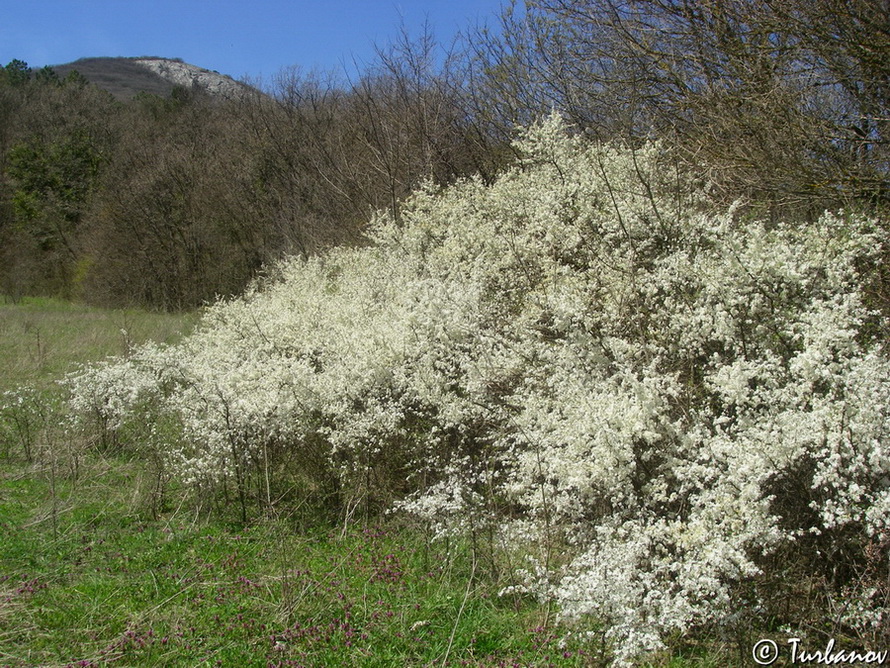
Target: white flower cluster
{"x": 109, "y": 392}
{"x": 667, "y": 393}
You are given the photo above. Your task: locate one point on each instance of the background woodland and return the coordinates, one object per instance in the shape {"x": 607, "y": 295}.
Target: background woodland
{"x": 168, "y": 202}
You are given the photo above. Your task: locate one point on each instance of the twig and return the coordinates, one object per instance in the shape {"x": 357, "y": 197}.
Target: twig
{"x": 460, "y": 611}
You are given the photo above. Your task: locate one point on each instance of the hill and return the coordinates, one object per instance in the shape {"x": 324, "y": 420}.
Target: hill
{"x": 125, "y": 77}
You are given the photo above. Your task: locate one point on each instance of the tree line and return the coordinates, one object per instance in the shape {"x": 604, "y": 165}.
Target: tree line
{"x": 169, "y": 202}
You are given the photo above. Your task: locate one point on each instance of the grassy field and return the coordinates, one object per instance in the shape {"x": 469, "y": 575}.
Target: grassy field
{"x": 101, "y": 584}
{"x": 41, "y": 339}
{"x": 92, "y": 574}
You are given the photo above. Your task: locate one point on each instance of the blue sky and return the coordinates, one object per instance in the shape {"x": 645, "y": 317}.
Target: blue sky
{"x": 241, "y": 38}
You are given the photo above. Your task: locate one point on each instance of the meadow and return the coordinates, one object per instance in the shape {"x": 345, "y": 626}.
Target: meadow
{"x": 104, "y": 585}
{"x": 43, "y": 338}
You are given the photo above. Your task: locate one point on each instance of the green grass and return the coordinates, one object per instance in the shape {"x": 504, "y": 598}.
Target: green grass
{"x": 41, "y": 339}
{"x": 94, "y": 582}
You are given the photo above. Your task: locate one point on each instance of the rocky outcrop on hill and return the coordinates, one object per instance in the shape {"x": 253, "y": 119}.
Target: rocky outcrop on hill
{"x": 126, "y": 77}
{"x": 190, "y": 76}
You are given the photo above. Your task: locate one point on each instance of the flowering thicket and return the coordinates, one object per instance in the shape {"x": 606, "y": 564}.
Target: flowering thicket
{"x": 651, "y": 398}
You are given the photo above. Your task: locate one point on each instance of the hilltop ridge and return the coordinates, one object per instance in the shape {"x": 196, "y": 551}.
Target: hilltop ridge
{"x": 126, "y": 77}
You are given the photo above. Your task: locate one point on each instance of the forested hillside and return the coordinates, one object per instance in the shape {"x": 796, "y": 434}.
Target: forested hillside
{"x": 169, "y": 201}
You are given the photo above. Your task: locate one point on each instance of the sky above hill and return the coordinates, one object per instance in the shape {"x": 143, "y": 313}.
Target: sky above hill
{"x": 242, "y": 38}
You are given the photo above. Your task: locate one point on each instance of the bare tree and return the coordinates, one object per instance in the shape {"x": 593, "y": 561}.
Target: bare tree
{"x": 786, "y": 100}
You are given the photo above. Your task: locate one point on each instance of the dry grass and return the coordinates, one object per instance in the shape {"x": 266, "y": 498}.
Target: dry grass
{"x": 42, "y": 339}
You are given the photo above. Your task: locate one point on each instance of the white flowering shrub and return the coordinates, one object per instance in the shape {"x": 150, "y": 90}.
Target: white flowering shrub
{"x": 107, "y": 394}
{"x": 651, "y": 400}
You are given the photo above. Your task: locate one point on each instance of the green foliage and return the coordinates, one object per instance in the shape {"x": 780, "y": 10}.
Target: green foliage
{"x": 16, "y": 73}
{"x": 76, "y": 79}
{"x": 47, "y": 76}
{"x": 51, "y": 184}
